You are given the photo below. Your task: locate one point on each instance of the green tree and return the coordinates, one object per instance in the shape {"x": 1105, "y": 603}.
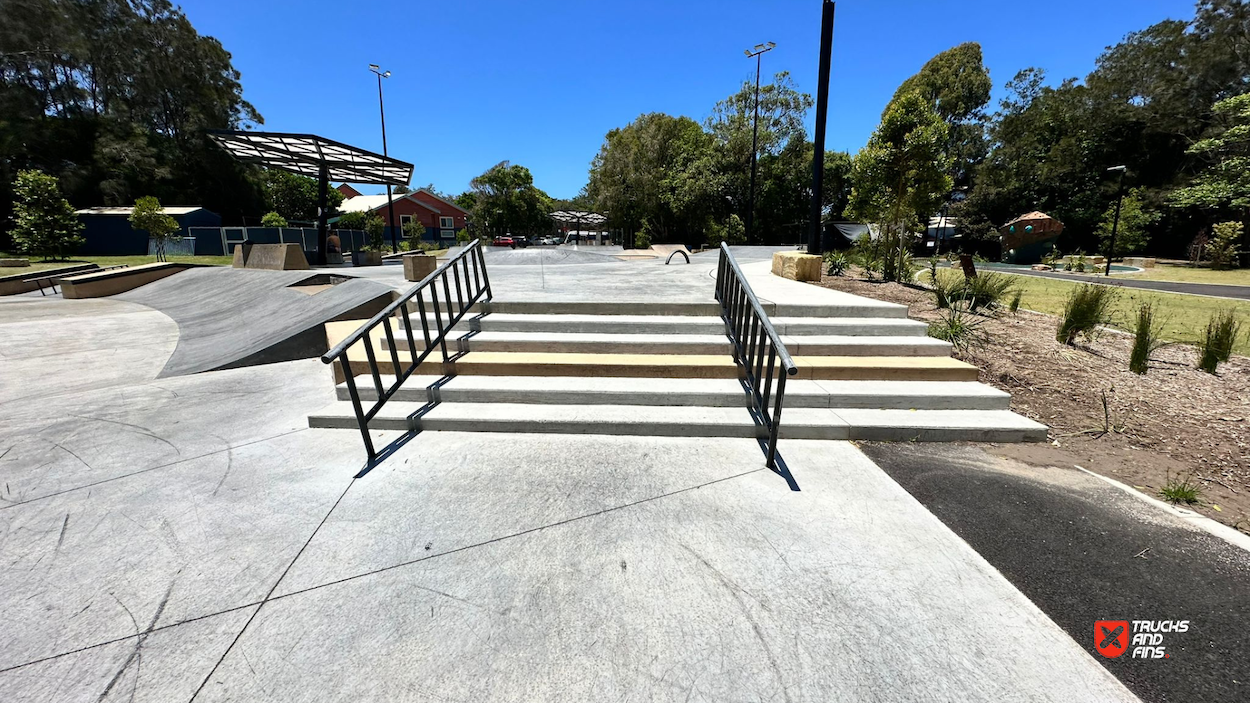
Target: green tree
{"x": 901, "y": 176}
{"x": 413, "y": 232}
{"x": 353, "y": 220}
{"x": 1222, "y": 249}
{"x": 44, "y": 223}
{"x": 374, "y": 228}
{"x": 1132, "y": 235}
{"x": 294, "y": 197}
{"x": 958, "y": 85}
{"x": 506, "y": 201}
{"x": 112, "y": 97}
{"x": 149, "y": 216}
{"x": 1223, "y": 186}
{"x": 273, "y": 219}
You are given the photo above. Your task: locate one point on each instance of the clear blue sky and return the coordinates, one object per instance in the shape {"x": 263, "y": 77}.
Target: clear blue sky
{"x": 540, "y": 83}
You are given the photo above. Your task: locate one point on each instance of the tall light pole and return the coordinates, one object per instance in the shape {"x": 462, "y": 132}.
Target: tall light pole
{"x": 756, "y": 53}
{"x": 1115, "y": 224}
{"x": 390, "y": 206}
{"x": 815, "y": 232}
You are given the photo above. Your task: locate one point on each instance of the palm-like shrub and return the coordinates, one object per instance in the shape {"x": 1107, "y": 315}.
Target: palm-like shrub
{"x": 1087, "y": 307}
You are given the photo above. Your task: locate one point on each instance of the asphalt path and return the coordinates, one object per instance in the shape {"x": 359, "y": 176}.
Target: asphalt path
{"x": 1211, "y": 289}
{"x": 1083, "y": 550}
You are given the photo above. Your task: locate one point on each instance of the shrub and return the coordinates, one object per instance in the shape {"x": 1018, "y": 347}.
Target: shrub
{"x": 1014, "y": 307}
{"x": 1087, "y": 307}
{"x": 273, "y": 219}
{"x": 1217, "y": 341}
{"x": 958, "y": 326}
{"x": 1146, "y": 338}
{"x": 374, "y": 227}
{"x": 463, "y": 236}
{"x": 986, "y": 290}
{"x": 1222, "y": 247}
{"x": 44, "y": 223}
{"x": 413, "y": 230}
{"x": 352, "y": 220}
{"x": 642, "y": 240}
{"x": 1080, "y": 262}
{"x": 837, "y": 261}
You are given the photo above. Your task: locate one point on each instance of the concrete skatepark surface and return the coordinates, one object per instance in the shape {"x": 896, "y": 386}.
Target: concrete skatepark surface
{"x": 233, "y": 317}
{"x": 188, "y": 538}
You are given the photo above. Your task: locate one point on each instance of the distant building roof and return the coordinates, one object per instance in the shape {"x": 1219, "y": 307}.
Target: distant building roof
{"x": 440, "y": 199}
{"x": 168, "y": 210}
{"x": 369, "y": 203}
{"x": 1035, "y": 215}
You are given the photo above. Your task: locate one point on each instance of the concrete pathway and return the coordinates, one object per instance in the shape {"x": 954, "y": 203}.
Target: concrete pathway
{"x": 184, "y": 539}
{"x": 1209, "y": 289}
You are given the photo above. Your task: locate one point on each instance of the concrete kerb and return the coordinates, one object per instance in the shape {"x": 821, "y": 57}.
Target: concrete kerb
{"x": 1201, "y": 522}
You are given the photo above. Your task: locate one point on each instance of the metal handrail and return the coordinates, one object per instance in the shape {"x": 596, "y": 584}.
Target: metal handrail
{"x": 476, "y": 287}
{"x": 752, "y": 333}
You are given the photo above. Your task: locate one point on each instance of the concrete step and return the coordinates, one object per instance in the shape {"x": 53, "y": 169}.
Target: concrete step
{"x": 560, "y": 390}
{"x": 843, "y": 368}
{"x": 600, "y": 343}
{"x": 797, "y": 423}
{"x": 860, "y": 307}
{"x": 694, "y": 324}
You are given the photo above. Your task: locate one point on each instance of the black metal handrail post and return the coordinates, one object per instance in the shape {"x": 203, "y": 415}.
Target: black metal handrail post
{"x": 471, "y": 258}
{"x": 752, "y": 335}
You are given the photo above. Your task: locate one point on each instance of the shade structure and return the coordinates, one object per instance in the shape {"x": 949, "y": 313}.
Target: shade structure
{"x": 306, "y": 154}
{"x": 315, "y": 157}
{"x": 580, "y": 217}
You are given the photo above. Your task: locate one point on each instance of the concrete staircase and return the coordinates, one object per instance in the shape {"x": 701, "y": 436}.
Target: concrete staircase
{"x": 865, "y": 372}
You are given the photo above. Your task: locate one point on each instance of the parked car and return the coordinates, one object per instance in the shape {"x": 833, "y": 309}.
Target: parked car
{"x": 504, "y": 242}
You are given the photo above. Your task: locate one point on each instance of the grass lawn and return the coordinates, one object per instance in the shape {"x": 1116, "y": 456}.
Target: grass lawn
{"x": 1185, "y": 274}
{"x": 1185, "y": 316}
{"x": 36, "y": 265}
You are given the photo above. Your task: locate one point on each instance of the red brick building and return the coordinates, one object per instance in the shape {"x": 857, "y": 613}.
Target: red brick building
{"x": 441, "y": 219}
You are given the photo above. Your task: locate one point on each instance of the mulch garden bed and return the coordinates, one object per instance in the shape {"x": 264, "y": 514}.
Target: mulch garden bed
{"x": 1175, "y": 420}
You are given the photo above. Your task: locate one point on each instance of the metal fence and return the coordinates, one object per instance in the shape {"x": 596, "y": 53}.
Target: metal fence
{"x": 174, "y": 246}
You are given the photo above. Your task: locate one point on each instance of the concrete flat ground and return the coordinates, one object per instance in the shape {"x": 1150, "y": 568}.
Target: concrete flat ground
{"x": 189, "y": 538}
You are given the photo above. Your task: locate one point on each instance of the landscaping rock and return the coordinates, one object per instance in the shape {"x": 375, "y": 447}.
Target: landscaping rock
{"x": 796, "y": 266}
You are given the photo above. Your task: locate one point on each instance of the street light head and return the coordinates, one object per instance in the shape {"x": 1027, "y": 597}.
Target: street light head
{"x": 373, "y": 67}
{"x": 747, "y": 52}
{"x": 1118, "y": 168}
{"x": 772, "y": 44}
{"x": 386, "y": 75}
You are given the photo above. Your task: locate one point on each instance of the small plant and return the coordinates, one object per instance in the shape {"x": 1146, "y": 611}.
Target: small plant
{"x": 374, "y": 227}
{"x": 986, "y": 290}
{"x": 273, "y": 219}
{"x": 1146, "y": 338}
{"x": 1014, "y": 306}
{"x": 463, "y": 236}
{"x": 1216, "y": 345}
{"x": 959, "y": 327}
{"x": 1087, "y": 307}
{"x": 837, "y": 262}
{"x": 1180, "y": 489}
{"x": 1080, "y": 262}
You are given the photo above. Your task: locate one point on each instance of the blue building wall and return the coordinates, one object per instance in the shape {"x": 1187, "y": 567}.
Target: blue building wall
{"x": 112, "y": 235}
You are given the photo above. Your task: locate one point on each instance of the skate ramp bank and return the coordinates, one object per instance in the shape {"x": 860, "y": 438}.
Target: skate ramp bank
{"x": 228, "y": 318}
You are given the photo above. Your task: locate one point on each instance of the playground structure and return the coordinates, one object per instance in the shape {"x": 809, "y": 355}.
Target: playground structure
{"x": 1029, "y": 237}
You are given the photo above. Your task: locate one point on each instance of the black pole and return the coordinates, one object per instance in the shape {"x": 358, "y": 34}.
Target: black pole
{"x": 390, "y": 206}
{"x": 1115, "y": 224}
{"x": 822, "y": 111}
{"x": 755, "y": 140}
{"x": 323, "y": 202}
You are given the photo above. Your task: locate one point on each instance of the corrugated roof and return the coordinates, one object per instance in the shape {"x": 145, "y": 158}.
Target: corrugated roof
{"x": 168, "y": 210}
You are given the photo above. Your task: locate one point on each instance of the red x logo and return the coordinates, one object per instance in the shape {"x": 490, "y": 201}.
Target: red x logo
{"x": 1111, "y": 637}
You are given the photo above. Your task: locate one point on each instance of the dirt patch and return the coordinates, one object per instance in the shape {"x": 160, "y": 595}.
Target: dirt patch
{"x": 1175, "y": 419}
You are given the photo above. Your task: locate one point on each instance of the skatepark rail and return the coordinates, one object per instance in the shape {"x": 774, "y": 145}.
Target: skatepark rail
{"x": 751, "y": 333}
{"x": 475, "y": 287}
